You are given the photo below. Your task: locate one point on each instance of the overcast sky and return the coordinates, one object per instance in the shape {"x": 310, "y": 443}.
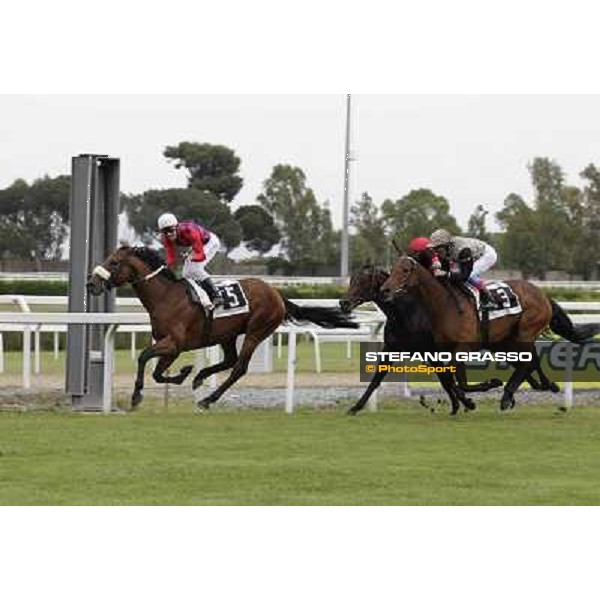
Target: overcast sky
{"x": 470, "y": 149}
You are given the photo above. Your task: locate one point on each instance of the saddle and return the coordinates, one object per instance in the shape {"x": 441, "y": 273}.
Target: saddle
{"x": 234, "y": 297}
{"x": 507, "y": 303}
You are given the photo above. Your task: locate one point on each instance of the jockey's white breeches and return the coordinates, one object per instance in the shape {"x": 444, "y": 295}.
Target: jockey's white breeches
{"x": 197, "y": 270}
{"x": 483, "y": 264}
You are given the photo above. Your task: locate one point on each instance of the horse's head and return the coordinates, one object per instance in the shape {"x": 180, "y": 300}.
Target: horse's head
{"x": 124, "y": 265}
{"x": 364, "y": 287}
{"x": 404, "y": 275}
{"x": 115, "y": 271}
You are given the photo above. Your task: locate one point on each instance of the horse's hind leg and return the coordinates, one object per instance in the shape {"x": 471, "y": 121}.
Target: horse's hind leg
{"x": 239, "y": 370}
{"x": 229, "y": 359}
{"x": 545, "y": 383}
{"x": 373, "y": 385}
{"x": 520, "y": 373}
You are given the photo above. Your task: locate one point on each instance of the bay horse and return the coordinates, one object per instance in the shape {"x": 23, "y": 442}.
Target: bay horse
{"x": 407, "y": 328}
{"x": 179, "y": 325}
{"x": 455, "y": 322}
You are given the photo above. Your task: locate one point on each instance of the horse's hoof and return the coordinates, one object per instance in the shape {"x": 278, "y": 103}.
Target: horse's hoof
{"x": 136, "y": 399}
{"x": 185, "y": 371}
{"x": 203, "y": 405}
{"x": 196, "y": 384}
{"x": 469, "y": 405}
{"x": 506, "y": 404}
{"x": 554, "y": 388}
{"x": 352, "y": 412}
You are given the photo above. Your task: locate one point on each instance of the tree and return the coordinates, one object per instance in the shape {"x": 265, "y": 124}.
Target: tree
{"x": 417, "y": 214}
{"x": 306, "y": 230}
{"x": 589, "y": 240}
{"x": 476, "y": 227}
{"x": 370, "y": 242}
{"x": 211, "y": 168}
{"x": 33, "y": 218}
{"x": 144, "y": 209}
{"x": 258, "y": 229}
{"x": 519, "y": 246}
{"x": 553, "y": 229}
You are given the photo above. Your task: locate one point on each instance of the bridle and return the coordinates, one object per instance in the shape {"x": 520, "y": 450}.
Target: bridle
{"x": 110, "y": 276}
{"x": 402, "y": 288}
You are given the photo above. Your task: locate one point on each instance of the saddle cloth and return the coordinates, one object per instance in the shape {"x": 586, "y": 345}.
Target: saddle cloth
{"x": 234, "y": 298}
{"x": 506, "y": 300}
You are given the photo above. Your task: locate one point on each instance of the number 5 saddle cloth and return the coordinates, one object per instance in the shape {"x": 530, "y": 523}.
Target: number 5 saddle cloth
{"x": 234, "y": 298}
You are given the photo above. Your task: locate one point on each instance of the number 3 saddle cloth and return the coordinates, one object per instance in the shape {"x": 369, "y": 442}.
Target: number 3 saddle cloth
{"x": 507, "y": 302}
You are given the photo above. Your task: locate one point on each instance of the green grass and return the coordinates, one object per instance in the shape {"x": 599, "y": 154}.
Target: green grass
{"x": 400, "y": 455}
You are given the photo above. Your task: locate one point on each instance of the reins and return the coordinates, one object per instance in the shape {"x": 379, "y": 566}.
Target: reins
{"x": 149, "y": 276}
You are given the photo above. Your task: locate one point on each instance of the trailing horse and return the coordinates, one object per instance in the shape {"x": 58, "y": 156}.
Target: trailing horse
{"x": 407, "y": 328}
{"x": 179, "y": 325}
{"x": 455, "y": 321}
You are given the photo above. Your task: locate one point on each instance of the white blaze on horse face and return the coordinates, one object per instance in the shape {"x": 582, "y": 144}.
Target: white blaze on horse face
{"x": 101, "y": 272}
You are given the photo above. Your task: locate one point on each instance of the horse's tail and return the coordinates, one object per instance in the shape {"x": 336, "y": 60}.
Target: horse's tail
{"x": 325, "y": 316}
{"x": 563, "y": 326}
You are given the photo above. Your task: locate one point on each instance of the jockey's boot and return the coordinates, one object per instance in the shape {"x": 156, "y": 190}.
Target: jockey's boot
{"x": 212, "y": 291}
{"x": 485, "y": 297}
{"x": 486, "y": 300}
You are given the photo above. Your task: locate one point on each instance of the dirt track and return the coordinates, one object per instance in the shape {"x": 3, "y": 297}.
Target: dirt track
{"x": 265, "y": 390}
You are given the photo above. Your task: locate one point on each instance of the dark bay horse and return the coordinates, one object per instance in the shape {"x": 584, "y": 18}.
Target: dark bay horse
{"x": 407, "y": 328}
{"x": 179, "y": 325}
{"x": 455, "y": 322}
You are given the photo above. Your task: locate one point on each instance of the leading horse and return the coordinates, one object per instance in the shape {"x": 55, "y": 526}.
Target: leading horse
{"x": 178, "y": 324}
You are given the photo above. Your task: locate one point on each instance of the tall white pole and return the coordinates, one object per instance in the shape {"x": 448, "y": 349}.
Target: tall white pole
{"x": 344, "y": 261}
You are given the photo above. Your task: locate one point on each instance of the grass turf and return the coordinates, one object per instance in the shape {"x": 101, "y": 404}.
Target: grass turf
{"x": 400, "y": 455}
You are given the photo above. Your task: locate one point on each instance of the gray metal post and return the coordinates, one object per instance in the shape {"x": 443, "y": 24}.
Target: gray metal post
{"x": 93, "y": 218}
{"x": 345, "y": 252}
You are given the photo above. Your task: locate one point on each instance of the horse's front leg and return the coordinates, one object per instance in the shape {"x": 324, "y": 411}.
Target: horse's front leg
{"x": 484, "y": 386}
{"x": 450, "y": 387}
{"x": 163, "y": 364}
{"x": 164, "y": 347}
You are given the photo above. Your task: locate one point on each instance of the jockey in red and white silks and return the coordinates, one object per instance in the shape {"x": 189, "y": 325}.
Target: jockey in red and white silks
{"x": 203, "y": 244}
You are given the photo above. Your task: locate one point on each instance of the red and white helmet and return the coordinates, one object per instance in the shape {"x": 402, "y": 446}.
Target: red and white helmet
{"x": 167, "y": 220}
{"x": 419, "y": 244}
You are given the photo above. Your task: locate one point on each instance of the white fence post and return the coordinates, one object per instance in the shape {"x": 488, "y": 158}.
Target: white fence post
{"x": 27, "y": 357}
{"x": 109, "y": 367}
{"x": 37, "y": 360}
{"x": 56, "y": 344}
{"x": 568, "y": 401}
{"x": 291, "y": 372}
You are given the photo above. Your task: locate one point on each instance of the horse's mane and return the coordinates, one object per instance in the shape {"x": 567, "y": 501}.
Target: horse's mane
{"x": 375, "y": 269}
{"x": 153, "y": 259}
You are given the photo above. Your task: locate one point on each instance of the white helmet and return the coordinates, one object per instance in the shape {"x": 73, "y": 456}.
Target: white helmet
{"x": 166, "y": 220}
{"x": 440, "y": 237}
